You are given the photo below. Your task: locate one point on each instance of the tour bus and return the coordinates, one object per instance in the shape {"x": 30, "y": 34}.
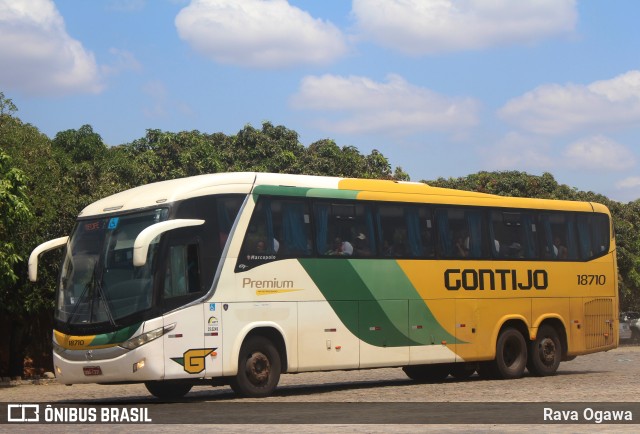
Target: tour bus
{"x": 236, "y": 278}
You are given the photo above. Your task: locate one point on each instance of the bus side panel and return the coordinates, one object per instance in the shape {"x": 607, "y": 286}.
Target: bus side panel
{"x": 324, "y": 342}
{"x": 184, "y": 352}
{"x": 576, "y": 344}
{"x": 560, "y": 308}
{"x": 493, "y": 313}
{"x": 467, "y": 322}
{"x": 241, "y": 319}
{"x": 430, "y": 332}
{"x": 389, "y": 338}
{"x": 213, "y": 338}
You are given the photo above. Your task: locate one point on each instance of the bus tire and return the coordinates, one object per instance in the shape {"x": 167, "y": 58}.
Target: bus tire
{"x": 545, "y": 352}
{"x": 259, "y": 368}
{"x": 427, "y": 373}
{"x": 462, "y": 371}
{"x": 168, "y": 390}
{"x": 511, "y": 354}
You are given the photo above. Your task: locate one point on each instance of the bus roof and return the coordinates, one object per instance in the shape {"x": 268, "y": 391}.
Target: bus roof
{"x": 163, "y": 192}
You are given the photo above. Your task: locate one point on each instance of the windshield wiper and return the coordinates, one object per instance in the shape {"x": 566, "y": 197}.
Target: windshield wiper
{"x": 96, "y": 285}
{"x": 105, "y": 302}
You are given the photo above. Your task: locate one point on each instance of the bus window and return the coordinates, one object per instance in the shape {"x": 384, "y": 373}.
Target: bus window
{"x": 405, "y": 231}
{"x": 227, "y": 209}
{"x": 182, "y": 276}
{"x": 513, "y": 234}
{"x": 559, "y": 236}
{"x": 344, "y": 229}
{"x": 593, "y": 235}
{"x": 219, "y": 214}
{"x": 279, "y": 228}
{"x": 292, "y": 226}
{"x": 460, "y": 233}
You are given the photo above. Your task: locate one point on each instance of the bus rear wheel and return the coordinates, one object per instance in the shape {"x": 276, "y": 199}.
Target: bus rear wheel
{"x": 511, "y": 354}
{"x": 258, "y": 368}
{"x": 168, "y": 390}
{"x": 545, "y": 352}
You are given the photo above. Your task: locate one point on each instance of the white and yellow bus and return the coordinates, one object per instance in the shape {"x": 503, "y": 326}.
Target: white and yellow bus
{"x": 236, "y": 278}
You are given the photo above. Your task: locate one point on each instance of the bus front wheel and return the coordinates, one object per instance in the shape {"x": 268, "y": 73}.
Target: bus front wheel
{"x": 511, "y": 354}
{"x": 258, "y": 368}
{"x": 545, "y": 352}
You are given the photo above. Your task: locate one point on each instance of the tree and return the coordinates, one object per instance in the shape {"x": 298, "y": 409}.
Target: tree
{"x": 14, "y": 211}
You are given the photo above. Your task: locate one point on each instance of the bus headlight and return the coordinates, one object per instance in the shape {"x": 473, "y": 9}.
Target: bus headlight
{"x": 147, "y": 337}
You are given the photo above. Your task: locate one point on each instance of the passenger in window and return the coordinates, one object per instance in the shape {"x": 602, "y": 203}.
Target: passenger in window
{"x": 361, "y": 245}
{"x": 341, "y": 248}
{"x": 462, "y": 245}
{"x": 560, "y": 249}
{"x": 261, "y": 246}
{"x": 395, "y": 250}
{"x": 515, "y": 250}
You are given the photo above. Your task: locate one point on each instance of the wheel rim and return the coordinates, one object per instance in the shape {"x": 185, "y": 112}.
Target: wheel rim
{"x": 547, "y": 351}
{"x": 258, "y": 369}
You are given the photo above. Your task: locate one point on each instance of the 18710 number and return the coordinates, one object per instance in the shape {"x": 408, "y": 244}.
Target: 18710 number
{"x": 591, "y": 279}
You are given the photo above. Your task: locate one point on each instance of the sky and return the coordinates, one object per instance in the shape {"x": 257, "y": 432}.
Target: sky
{"x": 443, "y": 88}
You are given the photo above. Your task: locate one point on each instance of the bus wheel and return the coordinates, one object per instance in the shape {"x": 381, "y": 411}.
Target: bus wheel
{"x": 167, "y": 389}
{"x": 511, "y": 354}
{"x": 545, "y": 352}
{"x": 462, "y": 371}
{"x": 258, "y": 368}
{"x": 427, "y": 373}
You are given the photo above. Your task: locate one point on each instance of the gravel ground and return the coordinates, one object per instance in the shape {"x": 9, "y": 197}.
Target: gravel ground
{"x": 603, "y": 377}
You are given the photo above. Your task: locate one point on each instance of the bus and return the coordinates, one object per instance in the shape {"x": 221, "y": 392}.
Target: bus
{"x": 237, "y": 278}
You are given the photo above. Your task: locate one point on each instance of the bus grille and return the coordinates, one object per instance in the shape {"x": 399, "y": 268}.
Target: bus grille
{"x": 599, "y": 324}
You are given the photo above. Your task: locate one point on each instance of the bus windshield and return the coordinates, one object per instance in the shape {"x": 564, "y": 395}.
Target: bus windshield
{"x": 98, "y": 282}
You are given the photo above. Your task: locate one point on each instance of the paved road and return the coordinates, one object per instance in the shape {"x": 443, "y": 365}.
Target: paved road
{"x": 606, "y": 378}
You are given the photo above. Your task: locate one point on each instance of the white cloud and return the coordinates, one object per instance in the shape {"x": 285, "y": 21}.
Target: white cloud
{"x": 555, "y": 109}
{"x": 37, "y": 54}
{"x": 258, "y": 33}
{"x": 517, "y": 151}
{"x": 123, "y": 61}
{"x": 394, "y": 107}
{"x": 431, "y": 26}
{"x": 630, "y": 182}
{"x": 599, "y": 152}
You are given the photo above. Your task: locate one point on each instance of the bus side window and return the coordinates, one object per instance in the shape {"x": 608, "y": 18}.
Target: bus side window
{"x": 559, "y": 236}
{"x": 182, "y": 276}
{"x": 593, "y": 235}
{"x": 513, "y": 234}
{"x": 344, "y": 229}
{"x": 460, "y": 233}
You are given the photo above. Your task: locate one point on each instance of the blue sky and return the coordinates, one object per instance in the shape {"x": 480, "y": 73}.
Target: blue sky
{"x": 443, "y": 88}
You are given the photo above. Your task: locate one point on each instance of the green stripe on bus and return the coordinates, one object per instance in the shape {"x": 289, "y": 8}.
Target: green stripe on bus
{"x": 115, "y": 337}
{"x": 383, "y": 305}
{"x": 280, "y": 190}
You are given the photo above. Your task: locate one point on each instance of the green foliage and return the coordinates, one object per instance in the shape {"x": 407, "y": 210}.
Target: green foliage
{"x": 14, "y": 210}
